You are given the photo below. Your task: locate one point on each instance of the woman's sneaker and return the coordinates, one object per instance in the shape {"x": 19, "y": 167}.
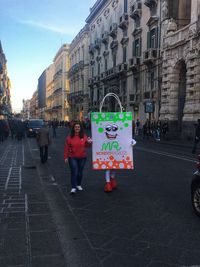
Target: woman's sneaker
{"x": 73, "y": 191}
{"x": 79, "y": 187}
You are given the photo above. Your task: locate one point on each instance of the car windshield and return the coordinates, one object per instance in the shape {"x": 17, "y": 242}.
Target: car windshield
{"x": 36, "y": 123}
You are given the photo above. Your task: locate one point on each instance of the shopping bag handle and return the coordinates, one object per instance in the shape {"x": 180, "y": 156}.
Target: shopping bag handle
{"x": 113, "y": 95}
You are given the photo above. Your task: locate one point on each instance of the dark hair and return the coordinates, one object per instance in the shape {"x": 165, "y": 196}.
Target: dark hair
{"x": 81, "y": 133}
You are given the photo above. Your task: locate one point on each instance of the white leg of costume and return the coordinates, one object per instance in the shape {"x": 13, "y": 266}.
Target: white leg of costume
{"x": 107, "y": 176}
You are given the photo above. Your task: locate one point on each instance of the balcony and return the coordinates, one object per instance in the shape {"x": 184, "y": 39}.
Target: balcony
{"x": 113, "y": 30}
{"x": 103, "y": 75}
{"x": 92, "y": 62}
{"x": 105, "y": 53}
{"x": 110, "y": 73}
{"x": 121, "y": 68}
{"x": 124, "y": 40}
{"x": 96, "y": 79}
{"x": 90, "y": 82}
{"x": 150, "y": 3}
{"x": 178, "y": 37}
{"x": 97, "y": 44}
{"x": 150, "y": 55}
{"x": 134, "y": 63}
{"x": 123, "y": 21}
{"x": 81, "y": 64}
{"x": 91, "y": 49}
{"x": 105, "y": 38}
{"x": 114, "y": 44}
{"x": 98, "y": 58}
{"x": 136, "y": 10}
{"x": 77, "y": 96}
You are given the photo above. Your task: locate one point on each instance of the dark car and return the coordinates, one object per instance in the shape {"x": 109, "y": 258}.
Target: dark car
{"x": 33, "y": 126}
{"x": 195, "y": 189}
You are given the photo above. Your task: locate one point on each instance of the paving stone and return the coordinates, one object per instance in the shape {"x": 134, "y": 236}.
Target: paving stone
{"x": 41, "y": 222}
{"x": 44, "y": 243}
{"x": 49, "y": 261}
{"x": 15, "y": 242}
{"x": 13, "y": 260}
{"x": 38, "y": 208}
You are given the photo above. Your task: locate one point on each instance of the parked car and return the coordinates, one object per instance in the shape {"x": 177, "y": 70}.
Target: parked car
{"x": 195, "y": 189}
{"x": 33, "y": 125}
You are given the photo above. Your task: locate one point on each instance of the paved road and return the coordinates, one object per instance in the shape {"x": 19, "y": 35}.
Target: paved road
{"x": 147, "y": 221}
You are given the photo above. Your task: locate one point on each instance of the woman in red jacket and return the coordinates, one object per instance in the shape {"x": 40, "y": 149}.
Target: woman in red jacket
{"x": 75, "y": 154}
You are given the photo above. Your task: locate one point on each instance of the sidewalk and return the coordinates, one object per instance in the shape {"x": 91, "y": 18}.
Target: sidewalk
{"x": 170, "y": 142}
{"x": 28, "y": 235}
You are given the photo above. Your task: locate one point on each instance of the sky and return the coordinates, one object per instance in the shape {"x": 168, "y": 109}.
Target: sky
{"x": 31, "y": 33}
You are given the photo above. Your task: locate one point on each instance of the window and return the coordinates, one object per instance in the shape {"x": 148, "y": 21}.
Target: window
{"x": 125, "y": 33}
{"x": 136, "y": 84}
{"x": 83, "y": 54}
{"x": 137, "y": 48}
{"x": 99, "y": 68}
{"x": 124, "y": 54}
{"x": 106, "y": 64}
{"x": 152, "y": 80}
{"x": 114, "y": 60}
{"x": 152, "y": 38}
{"x": 125, "y": 6}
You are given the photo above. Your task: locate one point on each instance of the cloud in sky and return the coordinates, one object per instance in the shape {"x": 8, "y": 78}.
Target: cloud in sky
{"x": 45, "y": 26}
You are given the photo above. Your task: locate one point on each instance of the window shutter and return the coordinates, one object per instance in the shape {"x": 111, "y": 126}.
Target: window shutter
{"x": 125, "y": 6}
{"x": 140, "y": 46}
{"x": 156, "y": 33}
{"x": 148, "y": 40}
{"x": 134, "y": 52}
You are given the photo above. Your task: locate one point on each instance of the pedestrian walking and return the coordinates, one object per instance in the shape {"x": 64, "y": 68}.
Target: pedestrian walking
{"x": 54, "y": 127}
{"x": 197, "y": 136}
{"x": 43, "y": 139}
{"x": 137, "y": 130}
{"x": 75, "y": 154}
{"x": 165, "y": 129}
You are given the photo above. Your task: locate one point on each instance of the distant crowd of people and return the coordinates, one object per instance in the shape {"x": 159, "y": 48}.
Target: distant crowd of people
{"x": 151, "y": 129}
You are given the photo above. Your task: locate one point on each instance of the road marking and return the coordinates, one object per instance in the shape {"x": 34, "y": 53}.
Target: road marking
{"x": 23, "y": 159}
{"x": 52, "y": 178}
{"x": 167, "y": 154}
{"x": 20, "y": 179}
{"x": 8, "y": 178}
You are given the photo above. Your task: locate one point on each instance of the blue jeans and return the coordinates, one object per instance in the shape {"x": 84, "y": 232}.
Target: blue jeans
{"x": 76, "y": 166}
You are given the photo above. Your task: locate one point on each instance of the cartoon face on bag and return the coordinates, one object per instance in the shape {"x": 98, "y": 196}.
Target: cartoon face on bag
{"x": 111, "y": 131}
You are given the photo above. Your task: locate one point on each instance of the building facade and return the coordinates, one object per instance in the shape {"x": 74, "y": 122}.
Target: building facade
{"x": 26, "y": 109}
{"x": 34, "y": 111}
{"x": 5, "y": 86}
{"x": 78, "y": 96}
{"x": 180, "y": 101}
{"x": 60, "y": 106}
{"x": 125, "y": 56}
{"x": 49, "y": 92}
{"x": 42, "y": 94}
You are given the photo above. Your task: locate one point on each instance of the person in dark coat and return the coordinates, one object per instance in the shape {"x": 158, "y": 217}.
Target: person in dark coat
{"x": 197, "y": 136}
{"x": 43, "y": 140}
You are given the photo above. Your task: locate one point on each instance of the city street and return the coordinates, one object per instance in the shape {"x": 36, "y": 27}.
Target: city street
{"x": 147, "y": 221}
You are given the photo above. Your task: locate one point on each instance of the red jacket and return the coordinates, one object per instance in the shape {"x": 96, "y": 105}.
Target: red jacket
{"x": 75, "y": 147}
